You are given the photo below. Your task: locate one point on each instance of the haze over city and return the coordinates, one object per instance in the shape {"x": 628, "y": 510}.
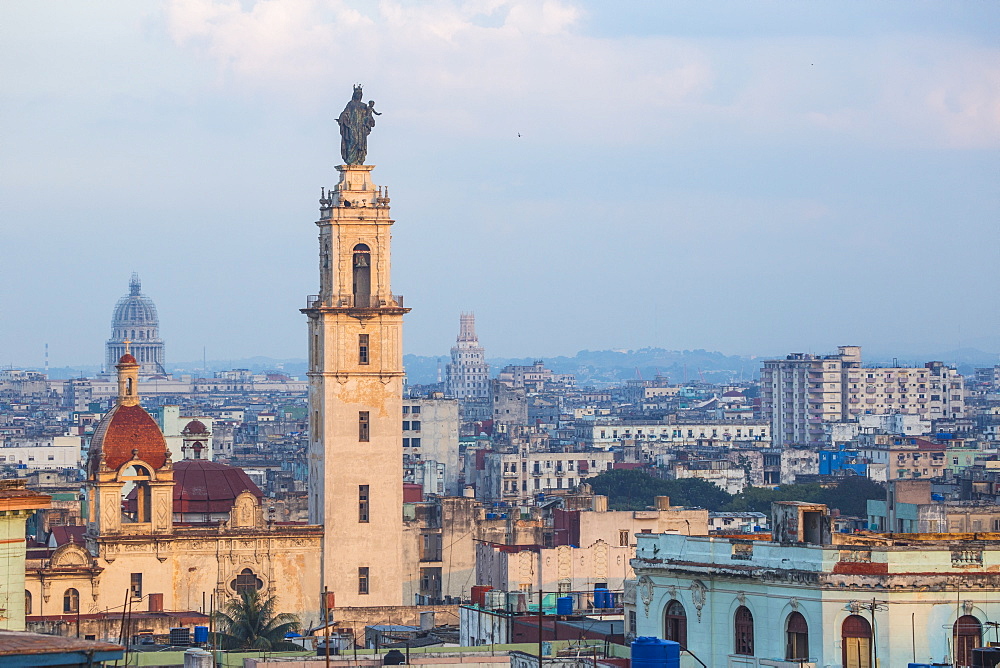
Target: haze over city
{"x": 754, "y": 178}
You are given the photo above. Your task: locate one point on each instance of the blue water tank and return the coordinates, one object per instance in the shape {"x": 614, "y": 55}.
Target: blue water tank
{"x": 600, "y": 598}
{"x": 491, "y": 516}
{"x": 655, "y": 653}
{"x": 564, "y": 605}
{"x": 201, "y": 634}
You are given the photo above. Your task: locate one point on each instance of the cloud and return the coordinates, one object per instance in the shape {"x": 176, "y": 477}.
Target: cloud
{"x": 526, "y": 63}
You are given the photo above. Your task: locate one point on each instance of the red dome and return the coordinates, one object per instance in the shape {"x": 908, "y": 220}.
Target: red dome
{"x": 122, "y": 430}
{"x": 127, "y": 358}
{"x": 203, "y": 486}
{"x": 194, "y": 427}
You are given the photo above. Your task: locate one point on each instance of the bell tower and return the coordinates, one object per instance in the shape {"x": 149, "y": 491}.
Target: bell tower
{"x": 355, "y": 395}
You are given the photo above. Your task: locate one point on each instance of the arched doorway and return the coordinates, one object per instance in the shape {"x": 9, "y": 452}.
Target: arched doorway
{"x": 675, "y": 623}
{"x": 796, "y": 637}
{"x": 856, "y": 642}
{"x": 362, "y": 276}
{"x": 968, "y": 633}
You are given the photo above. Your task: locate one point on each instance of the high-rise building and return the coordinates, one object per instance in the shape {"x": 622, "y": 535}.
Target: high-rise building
{"x": 468, "y": 374}
{"x": 356, "y": 396}
{"x": 803, "y": 391}
{"x": 135, "y": 320}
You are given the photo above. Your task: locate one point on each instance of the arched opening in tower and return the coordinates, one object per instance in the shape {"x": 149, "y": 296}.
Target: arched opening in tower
{"x": 362, "y": 276}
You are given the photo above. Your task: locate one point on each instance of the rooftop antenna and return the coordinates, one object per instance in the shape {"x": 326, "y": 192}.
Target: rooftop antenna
{"x": 46, "y": 359}
{"x": 204, "y": 362}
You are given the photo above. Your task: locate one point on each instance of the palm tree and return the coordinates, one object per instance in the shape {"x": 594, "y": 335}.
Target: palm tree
{"x": 249, "y": 622}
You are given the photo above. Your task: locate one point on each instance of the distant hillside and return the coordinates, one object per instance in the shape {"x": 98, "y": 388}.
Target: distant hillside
{"x": 609, "y": 367}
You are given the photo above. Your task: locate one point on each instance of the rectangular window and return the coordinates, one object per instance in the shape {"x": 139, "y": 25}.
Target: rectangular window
{"x": 363, "y": 426}
{"x": 362, "y": 503}
{"x": 362, "y": 349}
{"x": 415, "y": 425}
{"x": 406, "y": 410}
{"x": 415, "y": 442}
{"x": 363, "y": 580}
{"x": 406, "y": 425}
{"x": 416, "y": 410}
{"x": 406, "y": 442}
{"x": 622, "y": 538}
{"x": 136, "y": 585}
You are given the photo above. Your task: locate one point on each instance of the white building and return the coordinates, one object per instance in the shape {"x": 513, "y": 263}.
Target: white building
{"x": 53, "y": 452}
{"x": 608, "y": 432}
{"x": 806, "y": 597}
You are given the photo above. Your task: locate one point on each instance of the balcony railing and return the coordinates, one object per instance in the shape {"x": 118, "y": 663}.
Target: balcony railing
{"x": 361, "y": 301}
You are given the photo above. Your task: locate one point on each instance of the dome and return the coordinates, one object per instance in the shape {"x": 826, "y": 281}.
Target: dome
{"x": 202, "y": 486}
{"x": 194, "y": 427}
{"x": 122, "y": 430}
{"x": 127, "y": 358}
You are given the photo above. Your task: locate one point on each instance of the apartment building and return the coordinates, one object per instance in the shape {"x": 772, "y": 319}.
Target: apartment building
{"x": 803, "y": 392}
{"x": 430, "y": 444}
{"x": 516, "y": 477}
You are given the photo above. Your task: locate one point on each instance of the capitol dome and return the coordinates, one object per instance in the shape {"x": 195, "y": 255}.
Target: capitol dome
{"x": 135, "y": 320}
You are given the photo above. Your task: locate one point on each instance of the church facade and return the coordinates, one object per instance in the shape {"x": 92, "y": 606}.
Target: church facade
{"x": 156, "y": 544}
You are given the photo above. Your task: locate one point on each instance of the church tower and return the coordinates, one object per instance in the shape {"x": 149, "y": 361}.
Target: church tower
{"x": 356, "y": 388}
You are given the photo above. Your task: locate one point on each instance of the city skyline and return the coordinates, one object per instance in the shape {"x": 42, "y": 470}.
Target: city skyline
{"x": 794, "y": 187}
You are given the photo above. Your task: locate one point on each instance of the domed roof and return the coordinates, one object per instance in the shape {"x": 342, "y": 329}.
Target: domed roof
{"x": 122, "y": 430}
{"x": 194, "y": 427}
{"x": 127, "y": 358}
{"x": 203, "y": 486}
{"x": 135, "y": 309}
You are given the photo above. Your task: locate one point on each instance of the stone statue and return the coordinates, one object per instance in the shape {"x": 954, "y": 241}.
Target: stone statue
{"x": 356, "y": 123}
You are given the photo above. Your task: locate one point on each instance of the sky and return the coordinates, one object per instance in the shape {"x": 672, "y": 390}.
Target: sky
{"x": 751, "y": 177}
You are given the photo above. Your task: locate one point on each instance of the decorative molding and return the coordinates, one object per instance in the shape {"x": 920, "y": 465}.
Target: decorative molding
{"x": 698, "y": 597}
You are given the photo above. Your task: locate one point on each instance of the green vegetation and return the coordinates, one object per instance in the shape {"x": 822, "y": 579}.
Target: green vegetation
{"x": 249, "y": 622}
{"x": 636, "y": 490}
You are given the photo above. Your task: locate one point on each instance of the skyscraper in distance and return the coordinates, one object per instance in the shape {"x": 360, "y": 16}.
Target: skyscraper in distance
{"x": 468, "y": 374}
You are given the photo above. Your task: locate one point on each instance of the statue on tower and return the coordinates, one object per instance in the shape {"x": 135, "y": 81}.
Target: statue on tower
{"x": 356, "y": 123}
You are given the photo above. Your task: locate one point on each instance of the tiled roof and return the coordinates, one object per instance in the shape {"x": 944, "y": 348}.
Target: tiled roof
{"x": 124, "y": 429}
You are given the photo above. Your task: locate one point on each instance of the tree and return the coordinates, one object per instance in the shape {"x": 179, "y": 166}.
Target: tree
{"x": 628, "y": 489}
{"x": 249, "y": 622}
{"x": 852, "y": 494}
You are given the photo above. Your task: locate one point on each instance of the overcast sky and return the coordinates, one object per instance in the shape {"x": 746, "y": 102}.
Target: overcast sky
{"x": 749, "y": 177}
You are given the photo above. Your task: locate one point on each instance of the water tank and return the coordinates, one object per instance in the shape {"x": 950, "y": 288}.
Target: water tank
{"x": 394, "y": 658}
{"x": 200, "y": 634}
{"x": 564, "y": 605}
{"x": 650, "y": 652}
{"x": 479, "y": 594}
{"x": 600, "y": 598}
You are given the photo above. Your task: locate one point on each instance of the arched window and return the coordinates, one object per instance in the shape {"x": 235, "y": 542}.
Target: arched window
{"x": 968, "y": 634}
{"x": 796, "y": 637}
{"x": 362, "y": 276}
{"x": 246, "y": 581}
{"x": 856, "y": 642}
{"x": 71, "y": 601}
{"x": 27, "y": 602}
{"x": 675, "y": 623}
{"x": 743, "y": 630}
